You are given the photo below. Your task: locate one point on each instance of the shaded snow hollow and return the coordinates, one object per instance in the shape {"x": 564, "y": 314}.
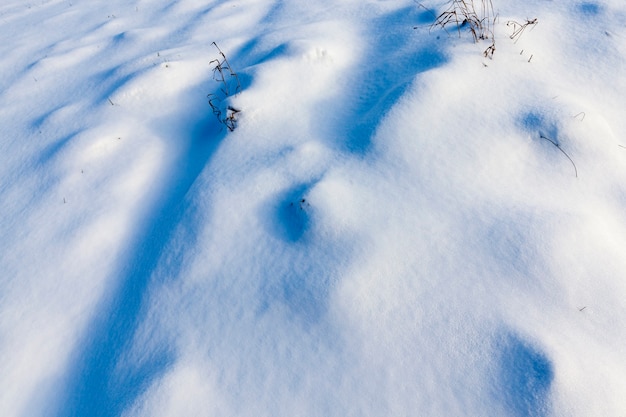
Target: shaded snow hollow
{"x": 398, "y": 226}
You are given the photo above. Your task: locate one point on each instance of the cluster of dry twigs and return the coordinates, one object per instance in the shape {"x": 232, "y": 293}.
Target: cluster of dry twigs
{"x": 479, "y": 19}
{"x": 224, "y": 74}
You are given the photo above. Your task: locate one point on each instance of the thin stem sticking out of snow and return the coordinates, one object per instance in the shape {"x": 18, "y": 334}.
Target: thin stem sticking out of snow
{"x": 564, "y": 153}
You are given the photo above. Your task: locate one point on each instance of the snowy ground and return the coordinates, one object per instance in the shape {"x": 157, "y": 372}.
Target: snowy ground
{"x": 398, "y": 226}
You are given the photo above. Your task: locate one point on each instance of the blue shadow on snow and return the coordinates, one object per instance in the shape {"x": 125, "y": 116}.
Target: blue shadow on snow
{"x": 390, "y": 67}
{"x": 289, "y": 213}
{"x": 96, "y": 386}
{"x": 590, "y": 9}
{"x": 302, "y": 279}
{"x": 537, "y": 125}
{"x": 525, "y": 378}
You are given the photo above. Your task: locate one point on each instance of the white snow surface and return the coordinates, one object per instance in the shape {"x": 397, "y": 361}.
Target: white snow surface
{"x": 397, "y": 226}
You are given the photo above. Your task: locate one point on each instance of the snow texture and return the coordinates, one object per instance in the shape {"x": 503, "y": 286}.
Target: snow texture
{"x": 397, "y": 226}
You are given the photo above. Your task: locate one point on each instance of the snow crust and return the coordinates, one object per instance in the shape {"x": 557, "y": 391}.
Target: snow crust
{"x": 398, "y": 226}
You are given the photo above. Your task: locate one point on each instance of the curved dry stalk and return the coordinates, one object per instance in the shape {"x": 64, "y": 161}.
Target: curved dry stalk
{"x": 564, "y": 153}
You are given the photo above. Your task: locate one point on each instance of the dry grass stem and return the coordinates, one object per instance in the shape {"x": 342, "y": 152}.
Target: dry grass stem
{"x": 519, "y": 28}
{"x": 477, "y": 17}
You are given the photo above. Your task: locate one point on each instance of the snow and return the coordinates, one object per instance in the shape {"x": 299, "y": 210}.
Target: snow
{"x": 397, "y": 225}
